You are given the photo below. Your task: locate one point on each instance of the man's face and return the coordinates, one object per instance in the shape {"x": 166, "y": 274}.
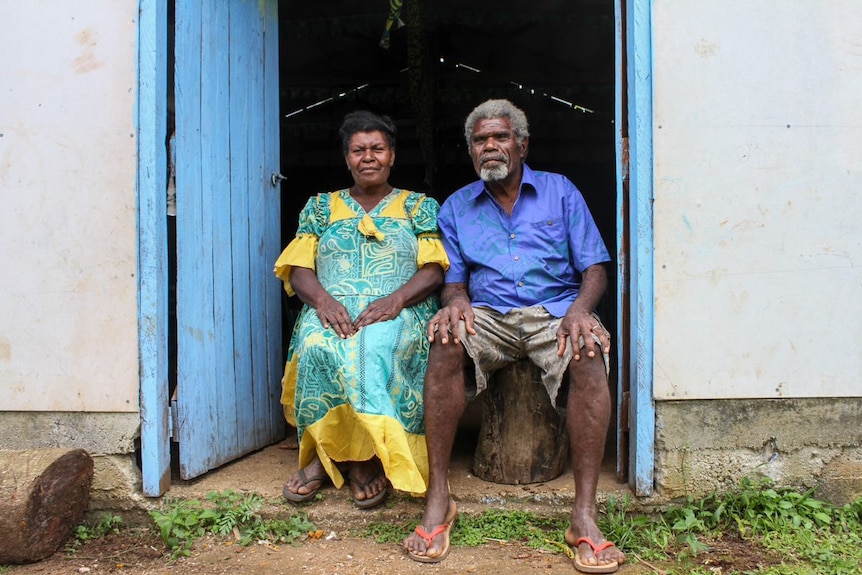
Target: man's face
{"x": 495, "y": 151}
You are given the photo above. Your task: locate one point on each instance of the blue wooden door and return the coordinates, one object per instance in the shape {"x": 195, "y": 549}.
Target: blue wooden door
{"x": 228, "y": 231}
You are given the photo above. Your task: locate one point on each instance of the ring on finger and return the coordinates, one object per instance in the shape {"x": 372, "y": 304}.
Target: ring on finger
{"x": 595, "y": 327}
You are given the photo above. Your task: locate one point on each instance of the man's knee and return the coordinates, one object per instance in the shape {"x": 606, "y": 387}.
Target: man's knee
{"x": 588, "y": 373}
{"x": 446, "y": 356}
{"x": 449, "y": 349}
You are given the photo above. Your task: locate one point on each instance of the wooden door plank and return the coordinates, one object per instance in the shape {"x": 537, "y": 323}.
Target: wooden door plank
{"x": 217, "y": 191}
{"x": 195, "y": 329}
{"x": 244, "y": 123}
{"x": 272, "y": 242}
{"x": 258, "y": 207}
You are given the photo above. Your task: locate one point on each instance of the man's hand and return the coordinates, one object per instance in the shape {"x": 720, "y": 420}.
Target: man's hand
{"x": 445, "y": 322}
{"x": 578, "y": 323}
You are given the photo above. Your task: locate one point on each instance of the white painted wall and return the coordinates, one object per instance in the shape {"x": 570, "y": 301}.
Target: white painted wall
{"x": 68, "y": 310}
{"x": 758, "y": 198}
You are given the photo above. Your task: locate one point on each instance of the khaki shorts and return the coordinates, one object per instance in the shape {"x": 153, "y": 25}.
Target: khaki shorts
{"x": 523, "y": 333}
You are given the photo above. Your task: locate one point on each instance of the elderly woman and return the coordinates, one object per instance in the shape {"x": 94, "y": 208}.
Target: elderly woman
{"x": 366, "y": 262}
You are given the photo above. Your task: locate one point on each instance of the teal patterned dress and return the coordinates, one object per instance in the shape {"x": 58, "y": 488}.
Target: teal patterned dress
{"x": 359, "y": 397}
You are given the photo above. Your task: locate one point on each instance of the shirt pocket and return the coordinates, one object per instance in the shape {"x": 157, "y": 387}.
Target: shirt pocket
{"x": 549, "y": 233}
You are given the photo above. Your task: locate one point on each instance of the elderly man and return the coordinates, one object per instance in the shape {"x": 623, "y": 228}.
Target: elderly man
{"x": 526, "y": 273}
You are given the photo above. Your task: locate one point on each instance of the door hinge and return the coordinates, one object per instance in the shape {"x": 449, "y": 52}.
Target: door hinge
{"x": 173, "y": 432}
{"x": 625, "y": 412}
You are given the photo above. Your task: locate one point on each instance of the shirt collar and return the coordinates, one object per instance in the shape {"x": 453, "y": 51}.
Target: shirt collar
{"x": 527, "y": 179}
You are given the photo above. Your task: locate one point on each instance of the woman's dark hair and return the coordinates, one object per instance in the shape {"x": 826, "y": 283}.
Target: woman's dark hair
{"x": 365, "y": 121}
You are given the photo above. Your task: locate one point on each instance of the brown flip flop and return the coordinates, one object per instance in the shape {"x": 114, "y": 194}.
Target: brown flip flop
{"x": 303, "y": 497}
{"x": 371, "y": 501}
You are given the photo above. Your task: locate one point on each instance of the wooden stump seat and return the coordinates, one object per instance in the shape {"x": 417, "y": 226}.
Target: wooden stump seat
{"x": 522, "y": 438}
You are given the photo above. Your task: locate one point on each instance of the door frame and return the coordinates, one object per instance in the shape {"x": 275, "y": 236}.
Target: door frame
{"x": 635, "y": 334}
{"x": 635, "y": 313}
{"x": 152, "y": 268}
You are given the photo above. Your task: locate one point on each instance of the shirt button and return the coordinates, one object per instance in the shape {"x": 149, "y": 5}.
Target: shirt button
{"x": 511, "y": 236}
{"x": 517, "y": 258}
{"x": 550, "y": 222}
{"x": 520, "y": 284}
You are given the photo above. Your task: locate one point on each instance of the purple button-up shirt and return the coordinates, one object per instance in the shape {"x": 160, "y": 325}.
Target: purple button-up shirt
{"x": 534, "y": 257}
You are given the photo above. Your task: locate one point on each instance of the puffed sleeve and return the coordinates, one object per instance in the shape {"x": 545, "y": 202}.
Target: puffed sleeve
{"x": 302, "y": 250}
{"x": 424, "y": 217}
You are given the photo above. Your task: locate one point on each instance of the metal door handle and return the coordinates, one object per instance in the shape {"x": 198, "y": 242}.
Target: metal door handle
{"x": 276, "y": 178}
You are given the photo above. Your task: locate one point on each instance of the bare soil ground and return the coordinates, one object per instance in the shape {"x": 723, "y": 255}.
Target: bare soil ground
{"x": 141, "y": 552}
{"x": 341, "y": 551}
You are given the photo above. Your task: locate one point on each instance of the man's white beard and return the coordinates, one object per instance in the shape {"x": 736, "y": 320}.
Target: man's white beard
{"x": 494, "y": 173}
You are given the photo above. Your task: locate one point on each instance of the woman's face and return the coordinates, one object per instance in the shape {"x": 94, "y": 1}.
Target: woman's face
{"x": 369, "y": 158}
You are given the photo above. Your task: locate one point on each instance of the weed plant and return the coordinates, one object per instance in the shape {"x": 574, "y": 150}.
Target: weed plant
{"x": 228, "y": 513}
{"x": 104, "y": 524}
{"x": 811, "y": 536}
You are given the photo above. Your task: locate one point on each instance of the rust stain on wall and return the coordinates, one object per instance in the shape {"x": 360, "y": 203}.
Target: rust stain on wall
{"x": 87, "y": 60}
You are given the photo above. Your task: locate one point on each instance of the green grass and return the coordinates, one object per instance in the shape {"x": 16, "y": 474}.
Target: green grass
{"x": 797, "y": 533}
{"x": 792, "y": 531}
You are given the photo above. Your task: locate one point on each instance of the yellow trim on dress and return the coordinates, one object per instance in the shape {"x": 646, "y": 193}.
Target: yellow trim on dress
{"x": 338, "y": 208}
{"x": 300, "y": 252}
{"x": 350, "y": 437}
{"x": 395, "y": 208}
{"x": 368, "y": 229}
{"x": 431, "y": 251}
{"x": 288, "y": 389}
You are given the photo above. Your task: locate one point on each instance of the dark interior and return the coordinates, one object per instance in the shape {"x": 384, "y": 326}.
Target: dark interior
{"x": 552, "y": 58}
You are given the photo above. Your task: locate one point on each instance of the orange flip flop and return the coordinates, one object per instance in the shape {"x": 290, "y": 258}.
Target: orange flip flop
{"x": 444, "y": 528}
{"x": 584, "y": 567}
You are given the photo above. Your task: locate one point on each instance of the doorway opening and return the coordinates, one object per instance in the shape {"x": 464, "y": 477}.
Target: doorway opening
{"x": 426, "y": 65}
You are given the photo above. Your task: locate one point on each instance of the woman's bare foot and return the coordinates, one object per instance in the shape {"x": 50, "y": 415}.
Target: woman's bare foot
{"x": 305, "y": 483}
{"x": 368, "y": 484}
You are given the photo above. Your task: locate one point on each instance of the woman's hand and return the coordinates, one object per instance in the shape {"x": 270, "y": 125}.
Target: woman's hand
{"x": 419, "y": 287}
{"x": 382, "y": 309}
{"x": 333, "y": 314}
{"x": 330, "y": 312}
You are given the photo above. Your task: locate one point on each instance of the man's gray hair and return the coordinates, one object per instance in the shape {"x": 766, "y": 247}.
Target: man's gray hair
{"x": 497, "y": 109}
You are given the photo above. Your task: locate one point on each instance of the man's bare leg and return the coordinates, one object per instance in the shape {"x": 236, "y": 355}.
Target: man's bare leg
{"x": 444, "y": 405}
{"x": 588, "y": 414}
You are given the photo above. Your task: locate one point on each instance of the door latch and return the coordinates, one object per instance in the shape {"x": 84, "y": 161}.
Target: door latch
{"x": 276, "y": 178}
